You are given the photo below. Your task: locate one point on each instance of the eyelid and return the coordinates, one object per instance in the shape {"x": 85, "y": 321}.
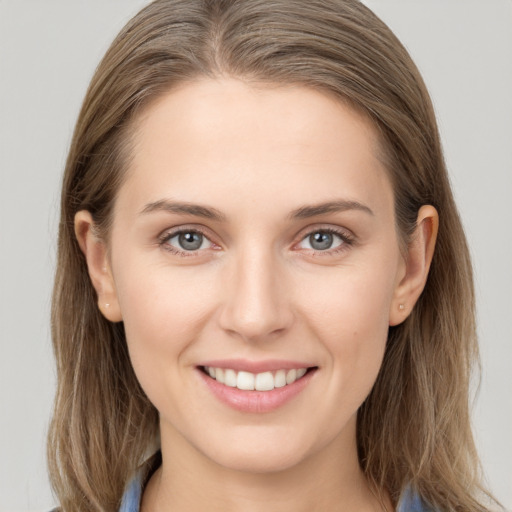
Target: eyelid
{"x": 346, "y": 236}
{"x": 170, "y": 233}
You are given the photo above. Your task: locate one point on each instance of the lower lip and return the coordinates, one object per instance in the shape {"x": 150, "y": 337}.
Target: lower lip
{"x": 256, "y": 401}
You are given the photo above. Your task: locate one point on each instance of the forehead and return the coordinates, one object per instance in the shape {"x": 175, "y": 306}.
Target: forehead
{"x": 215, "y": 137}
{"x": 266, "y": 112}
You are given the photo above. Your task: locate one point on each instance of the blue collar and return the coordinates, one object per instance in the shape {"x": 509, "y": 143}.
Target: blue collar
{"x": 411, "y": 502}
{"x": 132, "y": 496}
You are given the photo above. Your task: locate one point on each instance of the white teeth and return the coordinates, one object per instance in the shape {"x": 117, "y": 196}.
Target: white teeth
{"x": 301, "y": 372}
{"x": 219, "y": 375}
{"x": 264, "y": 382}
{"x": 291, "y": 376}
{"x": 247, "y": 381}
{"x": 280, "y": 379}
{"x": 230, "y": 378}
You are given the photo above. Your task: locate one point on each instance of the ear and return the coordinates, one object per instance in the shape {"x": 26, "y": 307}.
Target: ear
{"x": 416, "y": 265}
{"x": 98, "y": 264}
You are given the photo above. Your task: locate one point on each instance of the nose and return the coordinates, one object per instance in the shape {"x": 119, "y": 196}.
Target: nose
{"x": 256, "y": 304}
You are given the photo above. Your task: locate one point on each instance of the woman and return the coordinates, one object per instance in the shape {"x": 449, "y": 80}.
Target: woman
{"x": 262, "y": 274}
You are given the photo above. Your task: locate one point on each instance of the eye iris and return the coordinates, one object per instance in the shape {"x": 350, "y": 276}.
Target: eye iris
{"x": 321, "y": 240}
{"x": 190, "y": 241}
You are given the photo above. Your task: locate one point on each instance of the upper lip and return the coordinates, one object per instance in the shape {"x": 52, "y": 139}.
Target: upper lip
{"x": 245, "y": 365}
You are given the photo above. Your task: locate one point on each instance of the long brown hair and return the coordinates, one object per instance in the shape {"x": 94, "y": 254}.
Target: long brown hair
{"x": 414, "y": 427}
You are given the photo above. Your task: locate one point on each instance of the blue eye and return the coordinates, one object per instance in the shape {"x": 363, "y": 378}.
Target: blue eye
{"x": 188, "y": 241}
{"x": 322, "y": 240}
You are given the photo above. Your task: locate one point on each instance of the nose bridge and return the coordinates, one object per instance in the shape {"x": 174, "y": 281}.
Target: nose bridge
{"x": 255, "y": 306}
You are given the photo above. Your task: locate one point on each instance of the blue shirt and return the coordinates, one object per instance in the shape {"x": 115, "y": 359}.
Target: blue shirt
{"x": 409, "y": 502}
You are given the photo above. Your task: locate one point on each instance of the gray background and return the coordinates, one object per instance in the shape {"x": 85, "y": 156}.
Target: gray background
{"x": 48, "y": 51}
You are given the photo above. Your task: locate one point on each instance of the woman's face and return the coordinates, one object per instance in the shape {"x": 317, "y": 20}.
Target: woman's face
{"x": 254, "y": 236}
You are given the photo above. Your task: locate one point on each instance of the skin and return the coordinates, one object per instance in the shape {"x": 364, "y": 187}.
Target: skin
{"x": 257, "y": 289}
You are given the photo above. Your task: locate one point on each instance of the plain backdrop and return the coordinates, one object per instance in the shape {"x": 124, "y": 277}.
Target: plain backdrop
{"x": 48, "y": 52}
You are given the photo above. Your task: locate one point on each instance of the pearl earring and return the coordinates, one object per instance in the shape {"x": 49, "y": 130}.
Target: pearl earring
{"x": 401, "y": 307}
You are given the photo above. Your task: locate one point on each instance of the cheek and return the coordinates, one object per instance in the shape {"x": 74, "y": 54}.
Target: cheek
{"x": 351, "y": 304}
{"x": 158, "y": 301}
{"x": 162, "y": 317}
{"x": 351, "y": 319}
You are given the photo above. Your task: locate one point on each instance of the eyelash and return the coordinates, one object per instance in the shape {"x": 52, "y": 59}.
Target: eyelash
{"x": 347, "y": 241}
{"x": 164, "y": 239}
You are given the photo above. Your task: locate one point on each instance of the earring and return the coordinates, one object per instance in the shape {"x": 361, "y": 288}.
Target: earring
{"x": 401, "y": 307}
{"x": 107, "y": 305}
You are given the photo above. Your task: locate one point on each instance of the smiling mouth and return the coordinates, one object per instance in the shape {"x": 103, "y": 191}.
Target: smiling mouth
{"x": 247, "y": 381}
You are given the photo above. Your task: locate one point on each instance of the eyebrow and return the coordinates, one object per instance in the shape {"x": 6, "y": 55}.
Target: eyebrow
{"x": 305, "y": 212}
{"x": 206, "y": 212}
{"x": 185, "y": 209}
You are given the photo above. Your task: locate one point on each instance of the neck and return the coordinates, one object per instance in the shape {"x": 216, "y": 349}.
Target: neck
{"x": 329, "y": 480}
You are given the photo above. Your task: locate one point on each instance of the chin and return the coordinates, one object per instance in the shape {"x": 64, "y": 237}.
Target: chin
{"x": 260, "y": 451}
{"x": 263, "y": 461}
